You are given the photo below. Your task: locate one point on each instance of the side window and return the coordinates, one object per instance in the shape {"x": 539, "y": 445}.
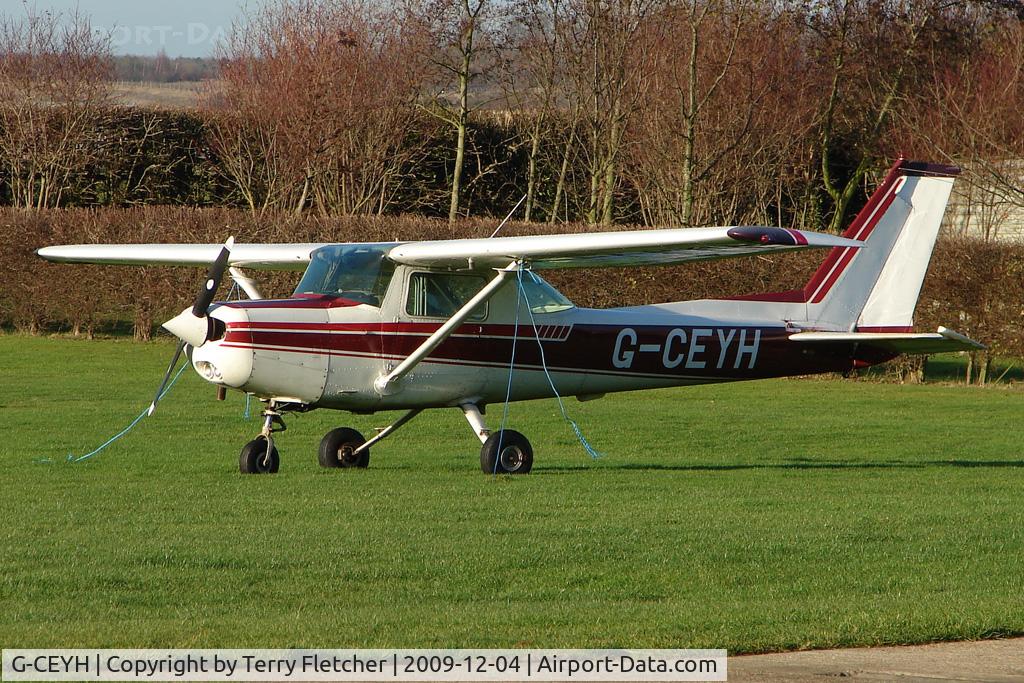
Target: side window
{"x": 441, "y": 295}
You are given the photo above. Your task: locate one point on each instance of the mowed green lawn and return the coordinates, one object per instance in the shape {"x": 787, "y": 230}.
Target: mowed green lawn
{"x": 757, "y": 517}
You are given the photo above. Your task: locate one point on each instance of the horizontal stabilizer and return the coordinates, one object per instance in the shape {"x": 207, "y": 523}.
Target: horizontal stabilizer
{"x": 943, "y": 341}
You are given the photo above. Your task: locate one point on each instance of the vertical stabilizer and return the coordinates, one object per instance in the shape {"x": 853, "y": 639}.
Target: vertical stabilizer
{"x": 875, "y": 288}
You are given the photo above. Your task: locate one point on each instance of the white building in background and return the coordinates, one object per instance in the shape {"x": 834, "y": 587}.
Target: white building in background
{"x": 980, "y": 207}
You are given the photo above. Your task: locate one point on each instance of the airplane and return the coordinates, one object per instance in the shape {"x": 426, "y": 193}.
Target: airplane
{"x": 469, "y": 323}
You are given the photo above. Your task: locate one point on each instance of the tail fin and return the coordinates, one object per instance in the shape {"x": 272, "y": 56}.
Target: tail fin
{"x": 875, "y": 288}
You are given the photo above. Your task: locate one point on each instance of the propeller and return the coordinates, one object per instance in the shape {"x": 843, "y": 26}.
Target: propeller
{"x": 167, "y": 377}
{"x": 193, "y": 326}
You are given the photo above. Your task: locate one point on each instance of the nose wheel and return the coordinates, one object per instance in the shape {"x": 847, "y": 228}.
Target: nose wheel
{"x": 260, "y": 455}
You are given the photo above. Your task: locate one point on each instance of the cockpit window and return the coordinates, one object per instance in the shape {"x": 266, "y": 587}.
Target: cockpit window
{"x": 360, "y": 272}
{"x": 441, "y": 295}
{"x": 542, "y": 296}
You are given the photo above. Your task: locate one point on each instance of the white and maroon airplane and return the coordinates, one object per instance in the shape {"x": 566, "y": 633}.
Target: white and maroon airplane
{"x": 437, "y": 324}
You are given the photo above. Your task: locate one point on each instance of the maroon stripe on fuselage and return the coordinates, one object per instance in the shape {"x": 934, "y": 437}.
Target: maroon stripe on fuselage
{"x": 425, "y": 329}
{"x": 728, "y": 352}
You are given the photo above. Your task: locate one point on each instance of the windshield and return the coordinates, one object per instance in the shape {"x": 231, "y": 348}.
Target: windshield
{"x": 361, "y": 272}
{"x": 542, "y": 296}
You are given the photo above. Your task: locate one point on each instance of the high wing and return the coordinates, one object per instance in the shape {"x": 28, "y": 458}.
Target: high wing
{"x": 258, "y": 256}
{"x": 622, "y": 248}
{"x": 600, "y": 249}
{"x": 943, "y": 341}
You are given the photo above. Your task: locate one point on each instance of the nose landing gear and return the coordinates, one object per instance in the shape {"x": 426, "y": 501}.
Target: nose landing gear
{"x": 260, "y": 456}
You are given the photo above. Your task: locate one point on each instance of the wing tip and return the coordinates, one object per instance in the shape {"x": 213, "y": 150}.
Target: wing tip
{"x": 962, "y": 339}
{"x": 785, "y": 237}
{"x": 767, "y": 236}
{"x": 51, "y": 253}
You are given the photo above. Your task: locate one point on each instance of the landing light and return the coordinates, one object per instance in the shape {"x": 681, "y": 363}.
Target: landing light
{"x": 208, "y": 370}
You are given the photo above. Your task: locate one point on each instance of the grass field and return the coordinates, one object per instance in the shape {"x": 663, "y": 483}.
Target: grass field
{"x": 757, "y": 517}
{"x": 184, "y": 95}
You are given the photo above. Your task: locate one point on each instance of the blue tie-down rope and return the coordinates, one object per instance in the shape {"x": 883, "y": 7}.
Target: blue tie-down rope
{"x": 511, "y": 371}
{"x": 72, "y": 459}
{"x": 544, "y": 364}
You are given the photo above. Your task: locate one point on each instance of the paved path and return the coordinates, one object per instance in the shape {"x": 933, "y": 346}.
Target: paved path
{"x": 988, "y": 660}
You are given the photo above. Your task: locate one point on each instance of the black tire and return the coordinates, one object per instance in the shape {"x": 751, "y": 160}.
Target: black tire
{"x": 254, "y": 458}
{"x": 337, "y": 446}
{"x": 515, "y": 457}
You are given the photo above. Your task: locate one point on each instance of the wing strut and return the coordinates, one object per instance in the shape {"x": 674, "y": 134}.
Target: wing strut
{"x": 385, "y": 384}
{"x": 247, "y": 284}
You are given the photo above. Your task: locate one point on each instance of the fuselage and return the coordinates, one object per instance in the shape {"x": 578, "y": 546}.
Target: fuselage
{"x": 326, "y": 350}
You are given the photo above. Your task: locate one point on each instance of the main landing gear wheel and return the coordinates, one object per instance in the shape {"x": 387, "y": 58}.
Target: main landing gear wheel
{"x": 337, "y": 449}
{"x": 254, "y": 458}
{"x": 514, "y": 457}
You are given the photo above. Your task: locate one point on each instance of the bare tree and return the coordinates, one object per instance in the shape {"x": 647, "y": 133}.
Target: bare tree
{"x": 607, "y": 66}
{"x": 971, "y": 117}
{"x": 533, "y": 80}
{"x": 458, "y": 52}
{"x": 316, "y": 105}
{"x": 544, "y": 89}
{"x": 868, "y": 53}
{"x": 54, "y": 85}
{"x": 718, "y": 122}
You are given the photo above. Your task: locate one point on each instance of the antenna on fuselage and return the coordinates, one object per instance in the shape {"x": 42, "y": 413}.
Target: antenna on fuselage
{"x": 509, "y": 216}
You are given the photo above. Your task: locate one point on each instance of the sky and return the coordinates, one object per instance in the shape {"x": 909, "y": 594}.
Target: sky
{"x": 181, "y": 28}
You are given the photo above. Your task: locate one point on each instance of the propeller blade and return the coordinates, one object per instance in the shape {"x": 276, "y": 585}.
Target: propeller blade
{"x": 213, "y": 278}
{"x": 167, "y": 377}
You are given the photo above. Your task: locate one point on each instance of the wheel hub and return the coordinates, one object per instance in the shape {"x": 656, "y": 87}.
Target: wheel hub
{"x": 511, "y": 458}
{"x": 347, "y": 455}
